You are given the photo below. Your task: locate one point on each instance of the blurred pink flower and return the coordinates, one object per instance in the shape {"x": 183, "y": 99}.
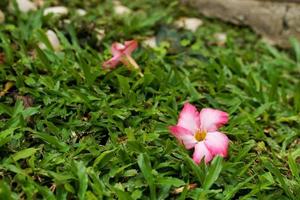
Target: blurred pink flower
{"x": 198, "y": 130}
{"x": 122, "y": 53}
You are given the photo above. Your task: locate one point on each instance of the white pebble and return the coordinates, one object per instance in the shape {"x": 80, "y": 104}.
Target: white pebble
{"x": 81, "y": 12}
{"x": 191, "y": 24}
{"x": 67, "y": 21}
{"x": 119, "y": 9}
{"x": 53, "y": 39}
{"x": 39, "y": 3}
{"x": 268, "y": 41}
{"x": 100, "y": 34}
{"x": 56, "y": 10}
{"x": 221, "y": 38}
{"x": 150, "y": 42}
{"x": 25, "y": 5}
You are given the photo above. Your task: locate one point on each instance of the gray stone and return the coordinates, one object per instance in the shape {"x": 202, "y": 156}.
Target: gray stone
{"x": 275, "y": 20}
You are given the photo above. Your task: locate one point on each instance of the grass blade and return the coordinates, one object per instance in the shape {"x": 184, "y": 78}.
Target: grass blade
{"x": 280, "y": 179}
{"x": 213, "y": 172}
{"x": 25, "y": 153}
{"x": 5, "y": 192}
{"x": 195, "y": 168}
{"x": 294, "y": 167}
{"x": 296, "y": 47}
{"x": 82, "y": 179}
{"x": 51, "y": 140}
{"x": 145, "y": 166}
{"x": 5, "y": 136}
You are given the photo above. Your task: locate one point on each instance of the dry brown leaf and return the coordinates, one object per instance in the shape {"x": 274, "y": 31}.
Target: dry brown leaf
{"x": 180, "y": 189}
{"x": 27, "y": 100}
{"x": 7, "y": 87}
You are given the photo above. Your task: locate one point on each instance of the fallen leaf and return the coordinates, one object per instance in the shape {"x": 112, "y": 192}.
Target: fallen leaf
{"x": 2, "y": 58}
{"x": 27, "y": 100}
{"x": 7, "y": 87}
{"x": 2, "y": 17}
{"x": 180, "y": 189}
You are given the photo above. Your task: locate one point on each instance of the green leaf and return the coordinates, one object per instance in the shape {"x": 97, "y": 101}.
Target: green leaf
{"x": 296, "y": 48}
{"x": 123, "y": 84}
{"x": 43, "y": 57}
{"x": 96, "y": 183}
{"x": 234, "y": 189}
{"x": 5, "y": 192}
{"x": 89, "y": 78}
{"x": 46, "y": 192}
{"x": 5, "y": 44}
{"x": 82, "y": 179}
{"x": 244, "y": 151}
{"x": 195, "y": 168}
{"x": 297, "y": 96}
{"x": 213, "y": 173}
{"x": 51, "y": 140}
{"x": 280, "y": 179}
{"x": 30, "y": 111}
{"x": 170, "y": 181}
{"x": 294, "y": 167}
{"x": 104, "y": 158}
{"x": 145, "y": 166}
{"x": 74, "y": 38}
{"x": 122, "y": 195}
{"x": 25, "y": 153}
{"x": 6, "y": 136}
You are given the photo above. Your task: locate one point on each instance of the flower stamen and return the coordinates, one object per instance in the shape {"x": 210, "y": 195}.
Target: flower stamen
{"x": 200, "y": 135}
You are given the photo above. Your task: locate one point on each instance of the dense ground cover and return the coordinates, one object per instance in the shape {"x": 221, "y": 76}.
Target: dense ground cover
{"x": 71, "y": 130}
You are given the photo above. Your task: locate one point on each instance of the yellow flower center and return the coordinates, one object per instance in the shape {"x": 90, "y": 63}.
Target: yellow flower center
{"x": 200, "y": 135}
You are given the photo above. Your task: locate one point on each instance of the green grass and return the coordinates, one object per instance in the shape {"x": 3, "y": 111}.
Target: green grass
{"x": 92, "y": 134}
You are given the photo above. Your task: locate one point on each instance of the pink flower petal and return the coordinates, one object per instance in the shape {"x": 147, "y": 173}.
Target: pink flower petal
{"x": 211, "y": 119}
{"x": 130, "y": 46}
{"x": 217, "y": 143}
{"x": 112, "y": 63}
{"x": 189, "y": 118}
{"x": 117, "y": 48}
{"x": 184, "y": 136}
{"x": 122, "y": 53}
{"x": 201, "y": 151}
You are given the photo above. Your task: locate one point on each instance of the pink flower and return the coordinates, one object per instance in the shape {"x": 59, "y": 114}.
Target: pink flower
{"x": 198, "y": 130}
{"x": 122, "y": 53}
